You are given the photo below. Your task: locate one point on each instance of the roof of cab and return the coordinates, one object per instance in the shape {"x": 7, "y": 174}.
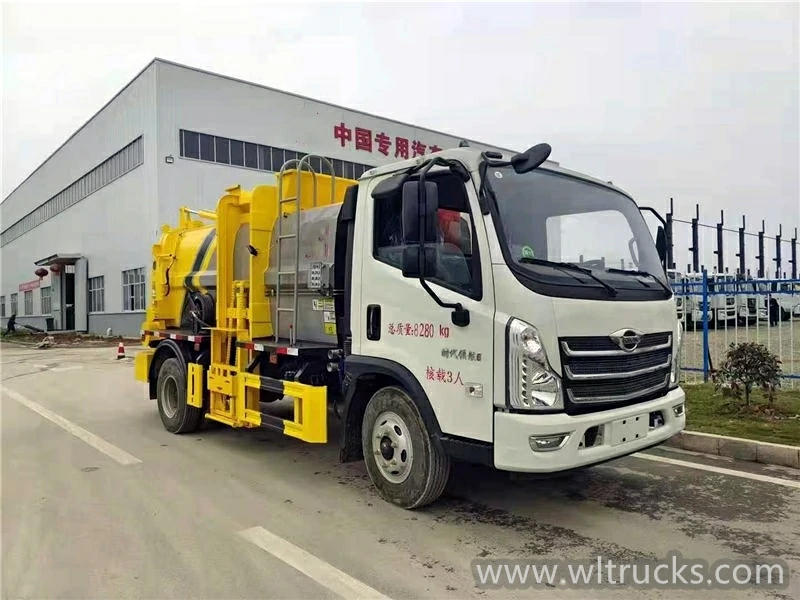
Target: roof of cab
{"x": 471, "y": 158}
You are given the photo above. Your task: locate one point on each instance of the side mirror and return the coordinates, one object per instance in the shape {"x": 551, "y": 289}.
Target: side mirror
{"x": 661, "y": 245}
{"x": 527, "y": 161}
{"x": 413, "y": 267}
{"x": 419, "y": 212}
{"x": 420, "y": 207}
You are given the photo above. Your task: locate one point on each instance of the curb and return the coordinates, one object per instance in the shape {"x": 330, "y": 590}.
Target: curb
{"x": 737, "y": 448}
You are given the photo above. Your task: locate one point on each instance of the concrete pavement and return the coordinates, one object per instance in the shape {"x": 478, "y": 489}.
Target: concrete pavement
{"x": 99, "y": 501}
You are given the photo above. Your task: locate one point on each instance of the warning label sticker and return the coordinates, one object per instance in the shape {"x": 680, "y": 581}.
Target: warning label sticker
{"x": 330, "y": 328}
{"x": 329, "y": 316}
{"x": 322, "y": 304}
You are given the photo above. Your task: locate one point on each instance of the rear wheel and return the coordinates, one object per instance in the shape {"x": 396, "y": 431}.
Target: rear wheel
{"x": 176, "y": 415}
{"x": 402, "y": 461}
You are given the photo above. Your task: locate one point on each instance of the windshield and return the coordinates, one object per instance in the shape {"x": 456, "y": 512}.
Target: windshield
{"x": 553, "y": 217}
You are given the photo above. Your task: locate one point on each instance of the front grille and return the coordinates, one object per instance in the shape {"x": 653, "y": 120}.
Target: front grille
{"x": 592, "y": 391}
{"x": 598, "y": 374}
{"x": 590, "y": 366}
{"x": 605, "y": 344}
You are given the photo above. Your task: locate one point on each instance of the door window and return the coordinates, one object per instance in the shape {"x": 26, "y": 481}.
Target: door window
{"x": 456, "y": 261}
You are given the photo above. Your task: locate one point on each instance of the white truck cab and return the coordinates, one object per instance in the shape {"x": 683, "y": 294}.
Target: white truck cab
{"x": 490, "y": 321}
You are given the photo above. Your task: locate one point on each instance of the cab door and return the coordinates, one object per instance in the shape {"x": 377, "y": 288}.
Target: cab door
{"x": 402, "y": 322}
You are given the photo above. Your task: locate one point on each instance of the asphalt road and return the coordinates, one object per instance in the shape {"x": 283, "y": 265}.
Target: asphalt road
{"x": 99, "y": 501}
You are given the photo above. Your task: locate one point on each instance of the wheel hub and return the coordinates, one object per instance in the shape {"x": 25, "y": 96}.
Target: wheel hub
{"x": 170, "y": 395}
{"x": 391, "y": 445}
{"x": 386, "y": 448}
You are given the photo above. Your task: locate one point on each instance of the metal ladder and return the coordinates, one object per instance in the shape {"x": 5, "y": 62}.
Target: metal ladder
{"x": 297, "y": 164}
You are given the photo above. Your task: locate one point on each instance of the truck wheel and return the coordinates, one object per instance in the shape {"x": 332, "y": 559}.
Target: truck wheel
{"x": 176, "y": 415}
{"x": 402, "y": 461}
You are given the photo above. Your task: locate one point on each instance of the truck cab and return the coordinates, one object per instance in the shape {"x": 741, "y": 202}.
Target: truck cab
{"x": 517, "y": 343}
{"x": 735, "y": 286}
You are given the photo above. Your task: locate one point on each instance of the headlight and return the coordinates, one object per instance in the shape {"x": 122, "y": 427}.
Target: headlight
{"x": 532, "y": 384}
{"x": 675, "y": 373}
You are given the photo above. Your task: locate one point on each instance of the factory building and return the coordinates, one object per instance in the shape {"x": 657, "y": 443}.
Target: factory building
{"x": 77, "y": 233}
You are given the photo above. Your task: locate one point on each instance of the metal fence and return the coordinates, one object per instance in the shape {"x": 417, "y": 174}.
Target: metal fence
{"x": 718, "y": 310}
{"x": 729, "y": 250}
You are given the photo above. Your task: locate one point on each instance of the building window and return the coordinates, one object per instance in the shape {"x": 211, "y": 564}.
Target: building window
{"x": 13, "y": 304}
{"x": 223, "y": 147}
{"x": 133, "y": 288}
{"x": 28, "y": 299}
{"x": 206, "y": 147}
{"x": 47, "y": 307}
{"x": 114, "y": 167}
{"x": 190, "y": 144}
{"x": 250, "y": 155}
{"x": 237, "y": 153}
{"x": 211, "y": 148}
{"x": 278, "y": 158}
{"x": 96, "y": 294}
{"x": 2, "y": 306}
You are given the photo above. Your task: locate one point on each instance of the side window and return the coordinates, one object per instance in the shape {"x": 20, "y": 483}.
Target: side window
{"x": 456, "y": 259}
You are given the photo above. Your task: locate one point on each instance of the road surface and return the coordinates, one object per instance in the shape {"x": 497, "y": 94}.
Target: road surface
{"x": 99, "y": 501}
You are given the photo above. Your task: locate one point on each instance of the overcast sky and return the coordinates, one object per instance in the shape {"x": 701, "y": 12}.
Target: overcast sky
{"x": 700, "y": 102}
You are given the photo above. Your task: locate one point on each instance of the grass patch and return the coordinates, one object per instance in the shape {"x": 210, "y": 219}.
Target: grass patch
{"x": 710, "y": 411}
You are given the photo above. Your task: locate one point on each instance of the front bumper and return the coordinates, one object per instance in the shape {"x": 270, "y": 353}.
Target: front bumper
{"x": 512, "y": 433}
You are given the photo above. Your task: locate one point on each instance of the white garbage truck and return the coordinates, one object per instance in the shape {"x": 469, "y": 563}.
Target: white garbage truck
{"x": 463, "y": 305}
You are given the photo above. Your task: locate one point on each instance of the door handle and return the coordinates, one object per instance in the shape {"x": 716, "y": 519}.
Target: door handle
{"x": 374, "y": 322}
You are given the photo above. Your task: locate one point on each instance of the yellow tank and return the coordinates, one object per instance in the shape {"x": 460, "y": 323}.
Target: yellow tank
{"x": 185, "y": 279}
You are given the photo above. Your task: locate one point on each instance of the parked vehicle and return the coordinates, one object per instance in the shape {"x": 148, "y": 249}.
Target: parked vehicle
{"x": 435, "y": 306}
{"x": 675, "y": 278}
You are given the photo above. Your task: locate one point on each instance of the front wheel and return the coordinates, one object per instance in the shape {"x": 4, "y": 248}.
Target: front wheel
{"x": 402, "y": 461}
{"x": 176, "y": 415}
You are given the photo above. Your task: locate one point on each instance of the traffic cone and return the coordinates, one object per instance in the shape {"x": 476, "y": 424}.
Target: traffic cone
{"x": 120, "y": 351}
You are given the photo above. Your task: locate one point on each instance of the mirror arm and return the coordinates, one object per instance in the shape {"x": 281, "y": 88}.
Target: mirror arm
{"x": 459, "y": 316}
{"x": 650, "y": 209}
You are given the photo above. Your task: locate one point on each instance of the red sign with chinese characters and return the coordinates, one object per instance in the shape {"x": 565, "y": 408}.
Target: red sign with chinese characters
{"x": 424, "y": 330}
{"x": 442, "y": 375}
{"x": 370, "y": 141}
{"x": 29, "y": 285}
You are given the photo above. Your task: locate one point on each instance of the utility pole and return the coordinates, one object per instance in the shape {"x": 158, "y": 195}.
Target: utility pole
{"x": 760, "y": 256}
{"x": 741, "y": 254}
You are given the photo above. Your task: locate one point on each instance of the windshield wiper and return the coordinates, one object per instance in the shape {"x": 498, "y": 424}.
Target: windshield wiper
{"x": 569, "y": 267}
{"x": 642, "y": 274}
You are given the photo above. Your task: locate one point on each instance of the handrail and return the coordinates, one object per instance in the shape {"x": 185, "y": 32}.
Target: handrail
{"x": 206, "y": 214}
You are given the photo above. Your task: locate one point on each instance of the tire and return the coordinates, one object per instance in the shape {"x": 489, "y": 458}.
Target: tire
{"x": 176, "y": 415}
{"x": 422, "y": 469}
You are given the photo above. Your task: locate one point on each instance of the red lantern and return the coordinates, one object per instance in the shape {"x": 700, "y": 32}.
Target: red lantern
{"x": 55, "y": 268}
{"x": 40, "y": 272}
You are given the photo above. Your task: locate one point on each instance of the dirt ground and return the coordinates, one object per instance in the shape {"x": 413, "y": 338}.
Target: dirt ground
{"x": 70, "y": 339}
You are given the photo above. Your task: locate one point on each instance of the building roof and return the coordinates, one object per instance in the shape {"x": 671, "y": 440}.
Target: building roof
{"x": 229, "y": 78}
